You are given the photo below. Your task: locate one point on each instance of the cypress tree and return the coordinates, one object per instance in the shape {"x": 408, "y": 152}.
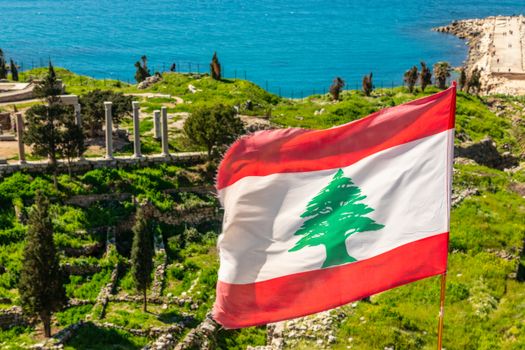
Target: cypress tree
{"x": 368, "y": 86}
{"x": 336, "y": 87}
{"x": 142, "y": 71}
{"x": 14, "y": 70}
{"x": 41, "y": 285}
{"x": 49, "y": 87}
{"x": 215, "y": 67}
{"x": 3, "y": 66}
{"x": 142, "y": 252}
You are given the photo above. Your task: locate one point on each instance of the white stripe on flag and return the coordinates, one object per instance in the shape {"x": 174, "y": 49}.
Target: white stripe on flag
{"x": 407, "y": 185}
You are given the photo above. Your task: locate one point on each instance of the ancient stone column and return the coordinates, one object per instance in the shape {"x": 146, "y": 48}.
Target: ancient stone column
{"x": 78, "y": 121}
{"x": 78, "y": 116}
{"x": 20, "y": 137}
{"x": 136, "y": 129}
{"x": 165, "y": 150}
{"x": 109, "y": 130}
{"x": 156, "y": 124}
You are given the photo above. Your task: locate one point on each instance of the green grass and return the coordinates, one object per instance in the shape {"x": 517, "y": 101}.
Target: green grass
{"x": 87, "y": 287}
{"x": 16, "y": 338}
{"x": 228, "y": 91}
{"x": 239, "y": 338}
{"x": 130, "y": 315}
{"x": 72, "y": 315}
{"x": 76, "y": 84}
{"x": 91, "y": 337}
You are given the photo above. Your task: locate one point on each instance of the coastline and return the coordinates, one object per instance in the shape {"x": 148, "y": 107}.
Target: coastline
{"x": 496, "y": 48}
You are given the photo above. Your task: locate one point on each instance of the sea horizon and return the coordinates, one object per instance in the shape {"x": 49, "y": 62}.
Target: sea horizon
{"x": 293, "y": 49}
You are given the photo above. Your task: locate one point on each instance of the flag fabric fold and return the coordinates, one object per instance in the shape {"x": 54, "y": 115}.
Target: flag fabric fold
{"x": 314, "y": 219}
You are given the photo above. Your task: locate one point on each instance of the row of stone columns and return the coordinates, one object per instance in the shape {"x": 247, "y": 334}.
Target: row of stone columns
{"x": 160, "y": 130}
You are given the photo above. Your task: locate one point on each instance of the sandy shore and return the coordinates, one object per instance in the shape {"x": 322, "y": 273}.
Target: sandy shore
{"x": 496, "y": 47}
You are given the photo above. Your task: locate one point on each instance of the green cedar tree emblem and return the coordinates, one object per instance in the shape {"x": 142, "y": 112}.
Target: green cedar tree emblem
{"x": 333, "y": 215}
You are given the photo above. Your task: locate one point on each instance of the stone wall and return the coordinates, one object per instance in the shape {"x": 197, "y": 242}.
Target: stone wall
{"x": 88, "y": 250}
{"x": 86, "y": 200}
{"x": 12, "y": 317}
{"x": 81, "y": 270}
{"x": 81, "y": 166}
{"x": 202, "y": 337}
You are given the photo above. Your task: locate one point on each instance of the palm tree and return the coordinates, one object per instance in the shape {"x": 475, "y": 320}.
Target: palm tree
{"x": 442, "y": 73}
{"x": 425, "y": 76}
{"x": 410, "y": 78}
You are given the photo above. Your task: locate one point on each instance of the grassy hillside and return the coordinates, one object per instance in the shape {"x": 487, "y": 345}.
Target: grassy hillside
{"x": 485, "y": 305}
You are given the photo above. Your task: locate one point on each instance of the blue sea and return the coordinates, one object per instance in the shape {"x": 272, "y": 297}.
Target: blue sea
{"x": 292, "y": 47}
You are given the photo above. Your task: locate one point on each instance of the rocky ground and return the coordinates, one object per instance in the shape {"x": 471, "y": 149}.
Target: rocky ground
{"x": 485, "y": 46}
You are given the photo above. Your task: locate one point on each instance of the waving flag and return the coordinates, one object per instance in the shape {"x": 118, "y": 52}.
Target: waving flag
{"x": 315, "y": 219}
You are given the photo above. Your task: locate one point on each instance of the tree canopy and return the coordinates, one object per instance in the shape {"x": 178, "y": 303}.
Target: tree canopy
{"x": 213, "y": 127}
{"x": 93, "y": 110}
{"x": 51, "y": 130}
{"x": 442, "y": 73}
{"x": 410, "y": 78}
{"x": 425, "y": 76}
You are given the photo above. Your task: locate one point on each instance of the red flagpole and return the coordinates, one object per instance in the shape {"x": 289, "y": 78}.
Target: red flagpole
{"x": 441, "y": 310}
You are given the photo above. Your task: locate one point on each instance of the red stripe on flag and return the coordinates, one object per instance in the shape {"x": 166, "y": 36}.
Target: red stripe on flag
{"x": 298, "y": 150}
{"x": 244, "y": 305}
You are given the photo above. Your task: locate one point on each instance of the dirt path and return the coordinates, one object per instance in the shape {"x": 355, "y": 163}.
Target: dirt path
{"x": 9, "y": 149}
{"x": 153, "y": 95}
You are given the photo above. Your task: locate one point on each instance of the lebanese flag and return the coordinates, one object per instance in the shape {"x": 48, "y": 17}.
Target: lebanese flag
{"x": 314, "y": 219}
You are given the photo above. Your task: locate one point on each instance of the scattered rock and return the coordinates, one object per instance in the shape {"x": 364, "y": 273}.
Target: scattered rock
{"x": 319, "y": 112}
{"x": 193, "y": 89}
{"x": 459, "y": 195}
{"x": 149, "y": 81}
{"x": 485, "y": 153}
